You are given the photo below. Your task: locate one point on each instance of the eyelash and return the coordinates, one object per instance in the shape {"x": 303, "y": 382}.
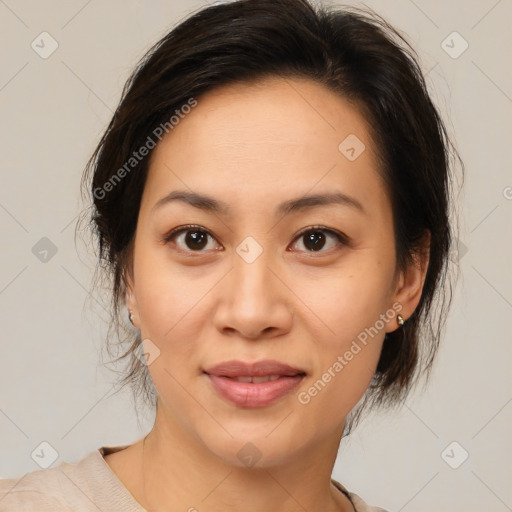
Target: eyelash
{"x": 343, "y": 239}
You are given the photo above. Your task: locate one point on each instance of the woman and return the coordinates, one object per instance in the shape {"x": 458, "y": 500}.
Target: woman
{"x": 271, "y": 200}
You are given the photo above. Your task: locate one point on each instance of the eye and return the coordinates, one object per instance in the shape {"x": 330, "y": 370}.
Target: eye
{"x": 195, "y": 238}
{"x": 315, "y": 238}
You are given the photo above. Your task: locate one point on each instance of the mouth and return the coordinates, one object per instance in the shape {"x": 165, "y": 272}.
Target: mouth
{"x": 268, "y": 368}
{"x": 253, "y": 384}
{"x": 256, "y": 379}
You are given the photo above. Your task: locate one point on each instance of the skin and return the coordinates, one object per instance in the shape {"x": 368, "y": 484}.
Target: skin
{"x": 254, "y": 146}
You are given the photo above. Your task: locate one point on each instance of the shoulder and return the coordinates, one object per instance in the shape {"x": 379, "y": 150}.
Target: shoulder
{"x": 64, "y": 488}
{"x": 32, "y": 492}
{"x": 359, "y": 504}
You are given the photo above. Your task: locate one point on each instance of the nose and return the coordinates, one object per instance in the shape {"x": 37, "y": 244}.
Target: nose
{"x": 254, "y": 301}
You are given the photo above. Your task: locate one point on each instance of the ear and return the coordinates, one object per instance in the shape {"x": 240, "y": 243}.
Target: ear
{"x": 409, "y": 284}
{"x": 130, "y": 299}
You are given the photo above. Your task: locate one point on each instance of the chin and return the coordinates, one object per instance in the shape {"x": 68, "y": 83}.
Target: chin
{"x": 253, "y": 448}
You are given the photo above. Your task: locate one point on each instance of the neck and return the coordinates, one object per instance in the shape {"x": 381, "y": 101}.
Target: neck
{"x": 180, "y": 473}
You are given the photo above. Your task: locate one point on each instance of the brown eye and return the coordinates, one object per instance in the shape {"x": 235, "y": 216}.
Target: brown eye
{"x": 195, "y": 239}
{"x": 316, "y": 239}
{"x": 189, "y": 238}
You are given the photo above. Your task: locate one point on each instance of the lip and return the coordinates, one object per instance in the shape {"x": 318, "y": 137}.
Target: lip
{"x": 237, "y": 368}
{"x": 253, "y": 394}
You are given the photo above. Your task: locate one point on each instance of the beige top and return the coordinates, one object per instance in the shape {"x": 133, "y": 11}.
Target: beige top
{"x": 88, "y": 485}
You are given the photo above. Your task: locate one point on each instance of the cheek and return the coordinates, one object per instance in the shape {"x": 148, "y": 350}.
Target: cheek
{"x": 170, "y": 310}
{"x": 348, "y": 340}
{"x": 350, "y": 299}
{"x": 344, "y": 365}
{"x": 334, "y": 393}
{"x": 167, "y": 295}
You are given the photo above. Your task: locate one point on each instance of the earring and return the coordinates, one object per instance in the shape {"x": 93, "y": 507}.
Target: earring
{"x": 400, "y": 320}
{"x": 130, "y": 317}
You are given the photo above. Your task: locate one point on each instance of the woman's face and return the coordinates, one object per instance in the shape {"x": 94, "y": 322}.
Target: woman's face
{"x": 257, "y": 281}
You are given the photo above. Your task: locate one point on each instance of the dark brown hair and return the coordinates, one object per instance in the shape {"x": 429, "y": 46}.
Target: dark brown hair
{"x": 351, "y": 52}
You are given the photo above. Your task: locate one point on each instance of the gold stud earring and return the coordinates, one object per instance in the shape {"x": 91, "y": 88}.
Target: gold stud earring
{"x": 400, "y": 320}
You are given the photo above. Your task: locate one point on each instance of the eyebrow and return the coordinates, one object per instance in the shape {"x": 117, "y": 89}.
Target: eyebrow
{"x": 210, "y": 204}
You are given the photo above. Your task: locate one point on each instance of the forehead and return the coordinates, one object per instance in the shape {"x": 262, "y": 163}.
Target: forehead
{"x": 256, "y": 143}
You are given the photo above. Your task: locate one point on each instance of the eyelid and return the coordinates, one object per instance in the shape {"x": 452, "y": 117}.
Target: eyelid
{"x": 341, "y": 237}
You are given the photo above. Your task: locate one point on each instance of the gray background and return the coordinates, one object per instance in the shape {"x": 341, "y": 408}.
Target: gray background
{"x": 52, "y": 387}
